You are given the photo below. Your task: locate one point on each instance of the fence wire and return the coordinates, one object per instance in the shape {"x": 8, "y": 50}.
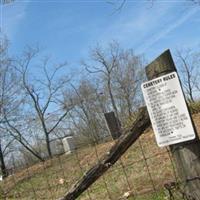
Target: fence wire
{"x": 143, "y": 172}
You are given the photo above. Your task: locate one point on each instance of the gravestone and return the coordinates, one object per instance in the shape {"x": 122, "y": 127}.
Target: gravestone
{"x": 68, "y": 144}
{"x": 113, "y": 125}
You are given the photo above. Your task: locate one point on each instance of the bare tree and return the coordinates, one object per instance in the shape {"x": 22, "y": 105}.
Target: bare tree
{"x": 118, "y": 5}
{"x": 127, "y": 79}
{"x": 121, "y": 72}
{"x": 106, "y": 60}
{"x": 196, "y": 2}
{"x": 8, "y": 88}
{"x": 6, "y": 1}
{"x": 6, "y": 148}
{"x": 188, "y": 62}
{"x": 43, "y": 95}
{"x": 87, "y": 109}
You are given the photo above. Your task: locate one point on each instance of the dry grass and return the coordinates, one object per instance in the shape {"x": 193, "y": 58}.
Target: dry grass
{"x": 53, "y": 178}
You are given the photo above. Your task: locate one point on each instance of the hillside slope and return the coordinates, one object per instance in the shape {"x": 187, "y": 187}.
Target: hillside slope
{"x": 143, "y": 168}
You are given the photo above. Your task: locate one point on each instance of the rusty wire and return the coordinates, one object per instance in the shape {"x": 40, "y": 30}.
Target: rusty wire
{"x": 122, "y": 165}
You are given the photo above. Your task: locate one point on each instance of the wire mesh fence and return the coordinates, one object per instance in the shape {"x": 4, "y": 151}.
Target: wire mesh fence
{"x": 145, "y": 171}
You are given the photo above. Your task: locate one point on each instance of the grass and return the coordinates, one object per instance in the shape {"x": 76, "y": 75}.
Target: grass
{"x": 50, "y": 180}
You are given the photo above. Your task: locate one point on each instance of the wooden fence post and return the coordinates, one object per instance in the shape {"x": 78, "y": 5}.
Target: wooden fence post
{"x": 128, "y": 137}
{"x": 186, "y": 154}
{"x": 113, "y": 125}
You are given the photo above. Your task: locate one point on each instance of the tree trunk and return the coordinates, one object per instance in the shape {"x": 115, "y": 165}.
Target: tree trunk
{"x": 112, "y": 98}
{"x": 48, "y": 145}
{"x": 31, "y": 151}
{"x": 3, "y": 166}
{"x": 185, "y": 154}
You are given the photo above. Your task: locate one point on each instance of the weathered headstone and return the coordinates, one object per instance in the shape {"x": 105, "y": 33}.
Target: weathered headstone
{"x": 68, "y": 144}
{"x": 113, "y": 124}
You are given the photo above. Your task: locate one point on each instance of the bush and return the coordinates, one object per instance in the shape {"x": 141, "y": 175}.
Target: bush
{"x": 195, "y": 107}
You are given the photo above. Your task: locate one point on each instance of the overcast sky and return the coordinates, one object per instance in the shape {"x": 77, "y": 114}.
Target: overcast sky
{"x": 67, "y": 29}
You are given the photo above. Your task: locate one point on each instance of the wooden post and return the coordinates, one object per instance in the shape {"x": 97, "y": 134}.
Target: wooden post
{"x": 187, "y": 154}
{"x": 113, "y": 125}
{"x": 130, "y": 136}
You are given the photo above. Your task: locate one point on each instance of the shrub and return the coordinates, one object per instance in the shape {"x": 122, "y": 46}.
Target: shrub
{"x": 194, "y": 107}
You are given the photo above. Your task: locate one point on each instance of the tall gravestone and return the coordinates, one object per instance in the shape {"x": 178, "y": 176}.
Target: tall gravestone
{"x": 113, "y": 124}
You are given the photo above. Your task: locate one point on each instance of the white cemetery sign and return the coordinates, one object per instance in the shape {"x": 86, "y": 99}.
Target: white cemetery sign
{"x": 167, "y": 110}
